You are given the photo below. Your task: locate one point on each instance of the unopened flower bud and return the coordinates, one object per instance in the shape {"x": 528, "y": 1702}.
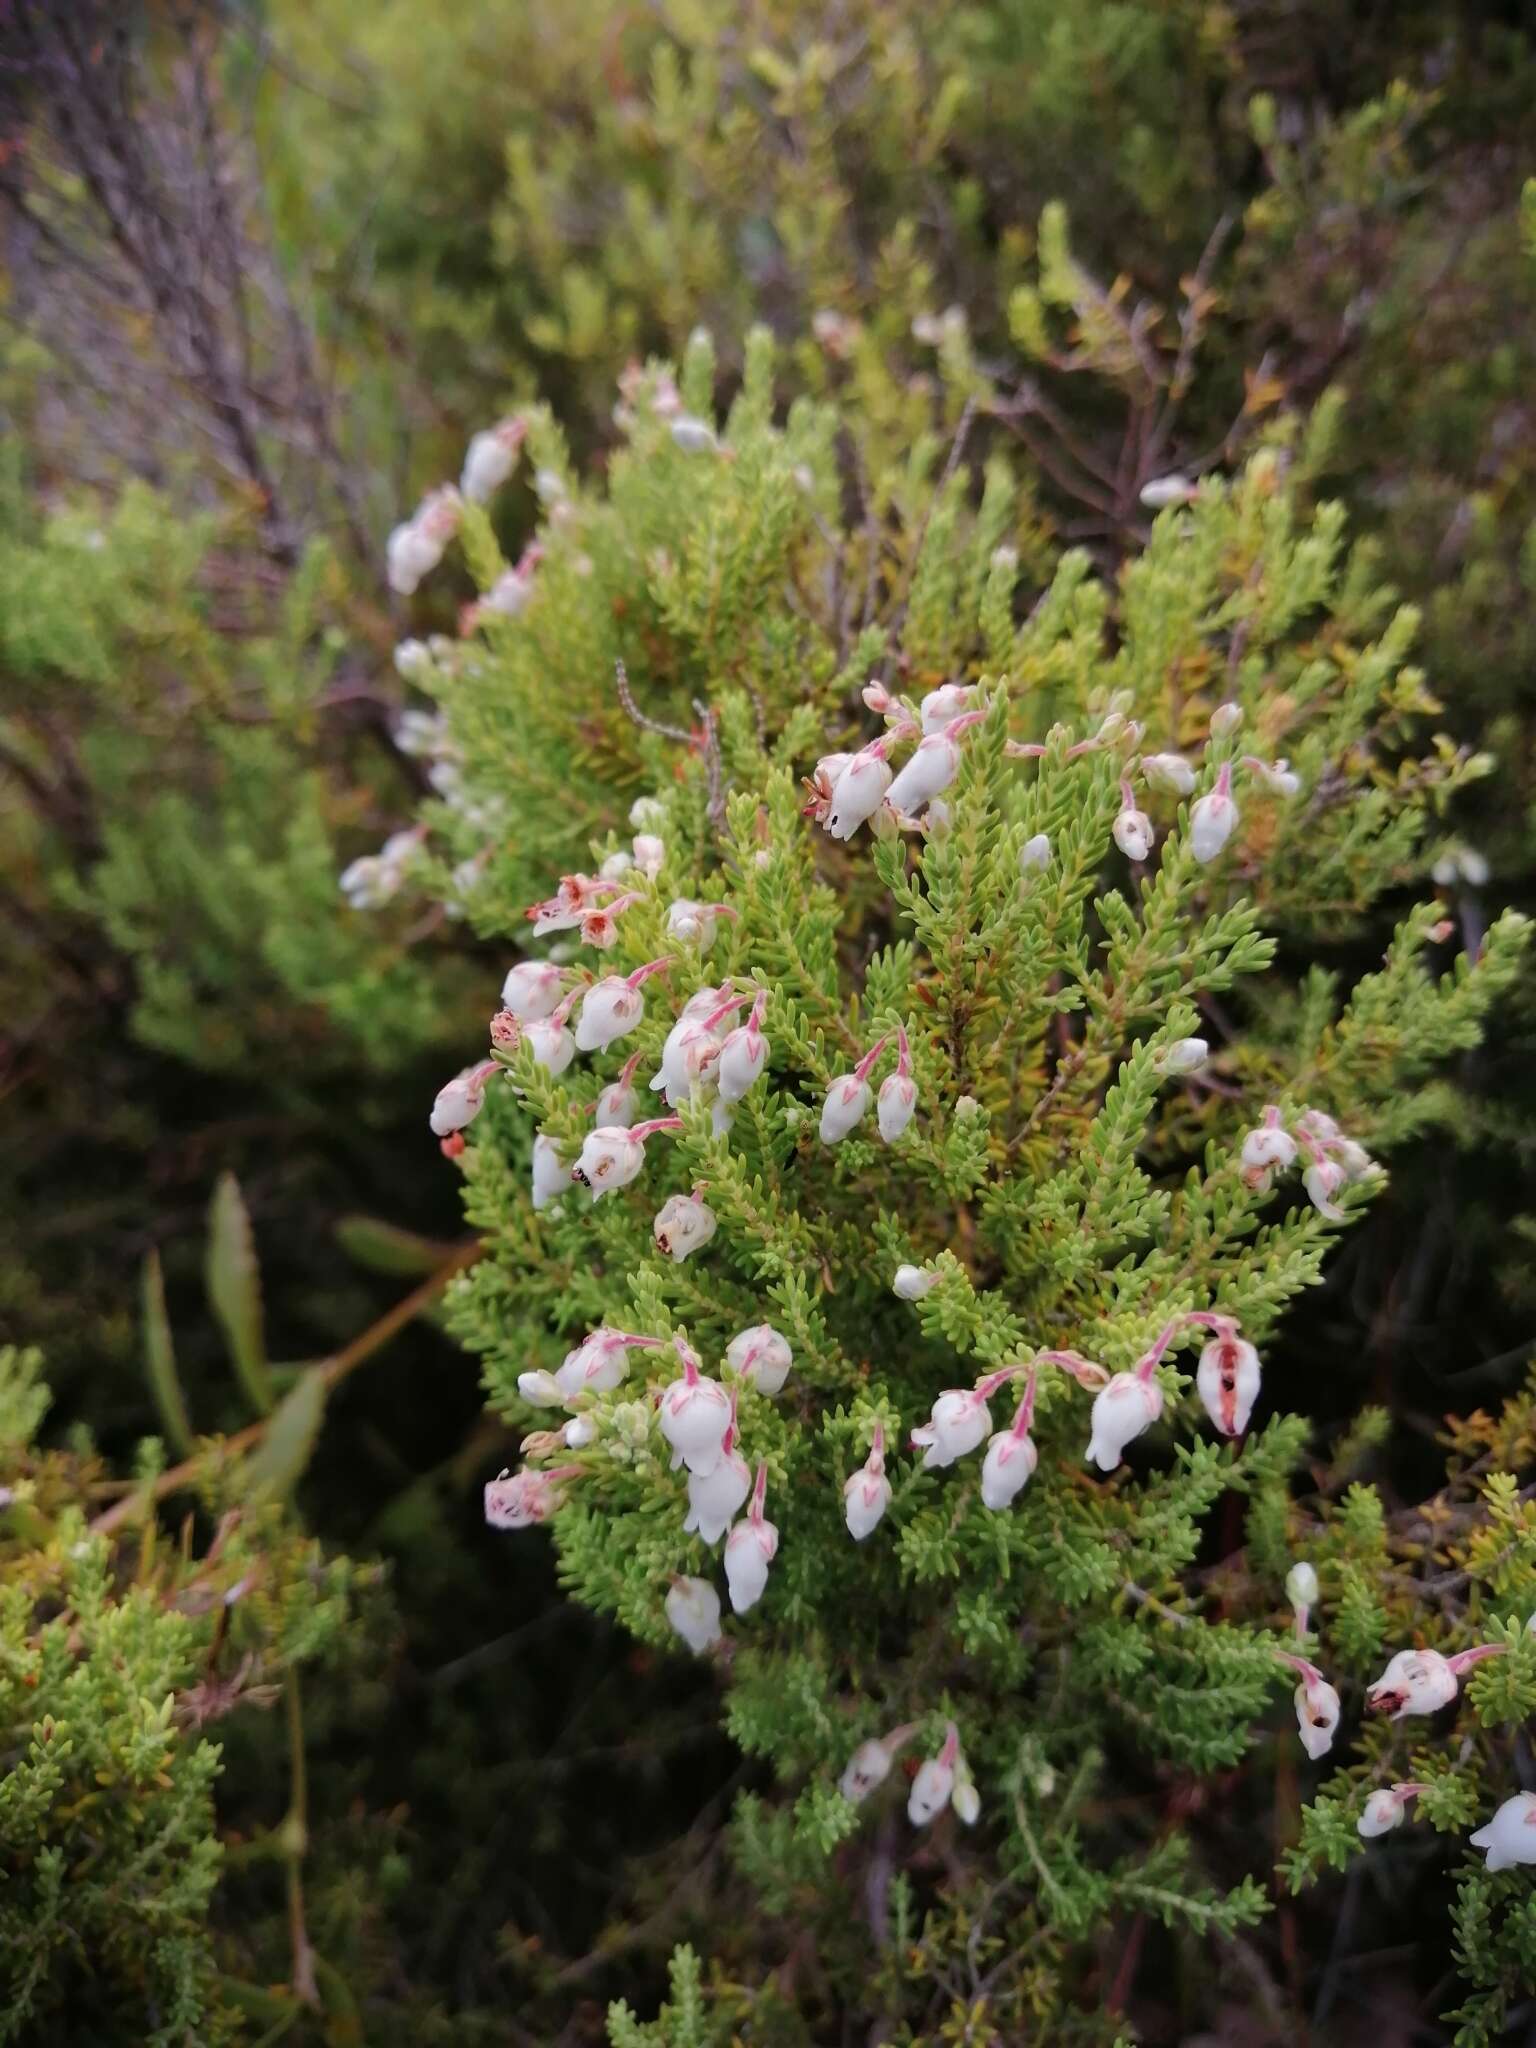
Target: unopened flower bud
{"x": 1226, "y": 718}
{"x": 1183, "y": 1056}
{"x": 532, "y": 989}
{"x": 693, "y": 1608}
{"x": 694, "y": 436}
{"x": 762, "y": 1355}
{"x": 647, "y": 814}
{"x": 1168, "y": 772}
{"x": 551, "y": 1044}
{"x": 1007, "y": 1468}
{"x": 965, "y": 1801}
{"x": 491, "y": 459}
{"x": 1301, "y": 1587}
{"x": 1163, "y": 491}
{"x": 460, "y": 1101}
{"x": 650, "y": 853}
{"x": 911, "y": 1283}
{"x": 1035, "y": 853}
{"x": 896, "y": 1106}
{"x": 847, "y": 1100}
{"x": 540, "y": 1389}
{"x": 1384, "y": 1810}
{"x": 1212, "y": 821}
{"x": 946, "y": 703}
{"x": 743, "y": 1056}
{"x": 1133, "y": 832}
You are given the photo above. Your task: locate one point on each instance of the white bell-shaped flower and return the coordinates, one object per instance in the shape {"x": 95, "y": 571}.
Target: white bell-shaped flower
{"x": 1122, "y": 1411}
{"x": 960, "y": 1421}
{"x": 580, "y": 1431}
{"x": 1035, "y": 854}
{"x": 1164, "y": 491}
{"x": 1214, "y": 819}
{"x": 610, "y": 1159}
{"x": 600, "y": 1362}
{"x": 1132, "y": 829}
{"x": 617, "y": 1106}
{"x": 693, "y": 923}
{"x": 869, "y": 1767}
{"x": 647, "y": 814}
{"x": 693, "y": 1608}
{"x": 911, "y": 1283}
{"x": 409, "y": 555}
{"x": 694, "y": 1414}
{"x": 490, "y": 459}
{"x": 867, "y": 1492}
{"x": 944, "y": 704}
{"x": 650, "y": 854}
{"x": 847, "y": 1101}
{"x": 1385, "y": 1808}
{"x": 743, "y": 1055}
{"x": 896, "y": 1105}
{"x": 1510, "y": 1837}
{"x": 1268, "y": 1144}
{"x": 610, "y": 1010}
{"x": 715, "y": 1496}
{"x": 1227, "y": 1379}
{"x": 459, "y": 1101}
{"x": 532, "y": 989}
{"x": 550, "y": 1042}
{"x": 1418, "y": 1682}
{"x": 858, "y": 791}
{"x": 1301, "y": 1587}
{"x": 1322, "y": 1181}
{"x": 1317, "y": 1715}
{"x": 749, "y": 1550}
{"x": 933, "y": 767}
{"x": 1011, "y": 1456}
{"x": 762, "y": 1355}
{"x": 1170, "y": 773}
{"x": 683, "y": 1225}
{"x": 540, "y": 1389}
{"x": 550, "y": 1174}
{"x": 934, "y": 1785}
{"x": 1183, "y": 1056}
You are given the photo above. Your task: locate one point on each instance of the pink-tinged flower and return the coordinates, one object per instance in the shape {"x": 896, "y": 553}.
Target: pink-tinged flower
{"x": 600, "y": 924}
{"x": 550, "y": 1177}
{"x": 491, "y": 458}
{"x": 683, "y": 1225}
{"x": 1132, "y": 829}
{"x": 743, "y": 1055}
{"x": 1423, "y": 1681}
{"x": 1322, "y": 1181}
{"x": 612, "y": 1156}
{"x": 618, "y": 1105}
{"x": 1510, "y": 1837}
{"x": 932, "y": 768}
{"x": 693, "y": 923}
{"x": 762, "y": 1355}
{"x": 961, "y": 1420}
{"x": 911, "y": 1283}
{"x": 1214, "y": 819}
{"x": 600, "y": 1362}
{"x": 867, "y": 1492}
{"x": 1278, "y": 777}
{"x": 934, "y": 1785}
{"x": 694, "y": 1413}
{"x": 897, "y": 1102}
{"x": 506, "y": 1033}
{"x": 517, "y": 1500}
{"x": 1268, "y": 1144}
{"x": 749, "y": 1550}
{"x": 870, "y": 1765}
{"x": 1170, "y": 773}
{"x": 550, "y": 1042}
{"x": 613, "y": 1007}
{"x": 1122, "y": 1411}
{"x": 858, "y": 791}
{"x": 715, "y": 1496}
{"x": 820, "y": 784}
{"x": 540, "y": 1389}
{"x": 650, "y": 854}
{"x": 1011, "y": 1456}
{"x": 533, "y": 988}
{"x": 1385, "y": 1808}
{"x": 461, "y": 1100}
{"x": 693, "y": 1608}
{"x": 849, "y": 1097}
{"x": 1317, "y": 1706}
{"x": 1227, "y": 1378}
{"x": 416, "y": 547}
{"x": 942, "y": 706}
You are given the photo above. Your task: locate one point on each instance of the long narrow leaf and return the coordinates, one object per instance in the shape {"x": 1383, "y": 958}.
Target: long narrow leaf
{"x": 234, "y": 1289}
{"x": 160, "y": 1361}
{"x": 277, "y": 1465}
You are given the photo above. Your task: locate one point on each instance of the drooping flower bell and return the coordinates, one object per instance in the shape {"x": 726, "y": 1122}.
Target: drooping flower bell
{"x": 550, "y": 1177}
{"x": 1122, "y": 1411}
{"x": 911, "y": 1283}
{"x": 1510, "y": 1837}
{"x": 1227, "y": 1379}
{"x": 613, "y": 1007}
{"x": 1423, "y": 1681}
{"x": 1385, "y": 1808}
{"x": 934, "y": 1785}
{"x": 600, "y": 1361}
{"x": 762, "y": 1355}
{"x": 960, "y": 1421}
{"x": 416, "y": 546}
{"x": 1132, "y": 829}
{"x": 1170, "y": 773}
{"x": 858, "y": 791}
{"x": 870, "y": 1765}
{"x": 613, "y": 1156}
{"x": 897, "y": 1102}
{"x": 1322, "y": 1181}
{"x": 849, "y": 1097}
{"x": 715, "y": 1496}
{"x": 694, "y": 1414}
{"x": 743, "y": 1054}
{"x": 867, "y": 1492}
{"x": 691, "y": 1052}
{"x": 1214, "y": 819}
{"x": 533, "y": 988}
{"x": 650, "y": 854}
{"x": 750, "y": 1549}
{"x": 934, "y": 764}
{"x": 1011, "y": 1456}
{"x": 491, "y": 458}
{"x": 540, "y": 1389}
{"x": 618, "y": 1106}
{"x": 1268, "y": 1144}
{"x": 460, "y": 1101}
{"x": 693, "y": 1608}
{"x": 1317, "y": 1706}
{"x": 941, "y": 707}
{"x": 683, "y": 1225}
{"x": 695, "y": 924}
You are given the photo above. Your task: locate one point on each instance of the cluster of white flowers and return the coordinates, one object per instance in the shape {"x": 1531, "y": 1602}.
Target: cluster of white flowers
{"x": 849, "y": 1096}
{"x": 374, "y": 879}
{"x": 1334, "y": 1161}
{"x": 940, "y": 1781}
{"x": 418, "y": 544}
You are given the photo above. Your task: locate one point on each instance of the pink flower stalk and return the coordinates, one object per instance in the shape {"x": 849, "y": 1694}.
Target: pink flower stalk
{"x": 849, "y": 1097}
{"x": 1423, "y": 1681}
{"x": 934, "y": 1784}
{"x": 1317, "y": 1706}
{"x": 749, "y": 1550}
{"x": 897, "y": 1101}
{"x": 867, "y": 1492}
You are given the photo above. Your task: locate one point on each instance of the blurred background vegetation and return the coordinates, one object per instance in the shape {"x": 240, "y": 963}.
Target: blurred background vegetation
{"x": 267, "y": 265}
